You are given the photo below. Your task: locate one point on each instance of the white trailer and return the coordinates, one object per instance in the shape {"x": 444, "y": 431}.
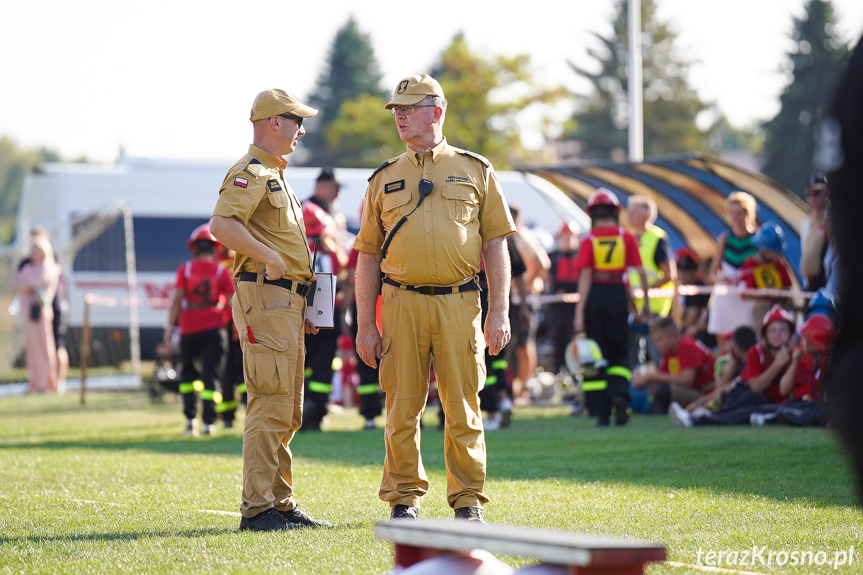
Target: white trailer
{"x": 120, "y": 233}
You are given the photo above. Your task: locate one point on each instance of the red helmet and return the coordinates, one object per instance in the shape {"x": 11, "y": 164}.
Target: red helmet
{"x": 777, "y": 313}
{"x": 202, "y": 232}
{"x": 603, "y": 197}
{"x": 820, "y": 332}
{"x": 318, "y": 222}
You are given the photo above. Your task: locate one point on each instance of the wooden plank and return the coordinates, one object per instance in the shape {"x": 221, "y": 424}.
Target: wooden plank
{"x": 549, "y": 546}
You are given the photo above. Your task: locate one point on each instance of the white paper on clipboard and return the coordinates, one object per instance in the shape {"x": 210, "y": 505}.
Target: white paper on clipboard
{"x": 320, "y": 312}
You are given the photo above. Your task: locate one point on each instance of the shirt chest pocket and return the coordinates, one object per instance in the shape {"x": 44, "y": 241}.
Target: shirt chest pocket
{"x": 394, "y": 206}
{"x": 461, "y": 203}
{"x": 276, "y": 205}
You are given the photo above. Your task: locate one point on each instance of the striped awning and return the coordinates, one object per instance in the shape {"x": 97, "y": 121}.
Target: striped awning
{"x": 690, "y": 192}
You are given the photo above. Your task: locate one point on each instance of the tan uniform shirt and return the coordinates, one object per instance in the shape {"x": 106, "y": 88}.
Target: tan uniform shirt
{"x": 440, "y": 244}
{"x": 255, "y": 193}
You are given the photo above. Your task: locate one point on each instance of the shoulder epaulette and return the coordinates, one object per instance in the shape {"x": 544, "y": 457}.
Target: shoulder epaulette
{"x": 382, "y": 166}
{"x": 477, "y": 156}
{"x": 254, "y": 167}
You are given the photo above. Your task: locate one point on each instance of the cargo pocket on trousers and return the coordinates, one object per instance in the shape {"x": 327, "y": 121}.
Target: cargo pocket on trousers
{"x": 475, "y": 370}
{"x": 387, "y": 369}
{"x": 267, "y": 369}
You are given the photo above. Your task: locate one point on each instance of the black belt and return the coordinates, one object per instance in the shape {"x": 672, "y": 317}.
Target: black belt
{"x": 435, "y": 290}
{"x": 297, "y": 287}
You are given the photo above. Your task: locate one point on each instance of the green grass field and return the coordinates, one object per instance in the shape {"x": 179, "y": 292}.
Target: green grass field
{"x": 112, "y": 487}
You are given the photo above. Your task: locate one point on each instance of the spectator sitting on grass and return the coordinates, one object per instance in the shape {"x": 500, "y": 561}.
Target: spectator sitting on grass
{"x": 728, "y": 368}
{"x": 757, "y": 390}
{"x": 802, "y": 382}
{"x": 685, "y": 371}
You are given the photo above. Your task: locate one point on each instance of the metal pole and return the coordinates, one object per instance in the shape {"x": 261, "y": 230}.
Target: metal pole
{"x": 85, "y": 345}
{"x": 132, "y": 285}
{"x": 635, "y": 88}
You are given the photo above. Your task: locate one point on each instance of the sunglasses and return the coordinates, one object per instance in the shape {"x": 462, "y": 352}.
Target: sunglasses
{"x": 291, "y": 117}
{"x": 813, "y": 193}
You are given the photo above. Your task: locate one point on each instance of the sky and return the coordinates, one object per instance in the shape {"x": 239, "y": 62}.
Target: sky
{"x": 175, "y": 79}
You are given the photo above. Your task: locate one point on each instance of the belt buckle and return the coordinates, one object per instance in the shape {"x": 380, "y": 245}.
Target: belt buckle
{"x": 425, "y": 290}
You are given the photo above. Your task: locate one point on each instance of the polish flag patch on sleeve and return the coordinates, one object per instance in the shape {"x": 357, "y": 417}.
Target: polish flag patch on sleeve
{"x": 241, "y": 182}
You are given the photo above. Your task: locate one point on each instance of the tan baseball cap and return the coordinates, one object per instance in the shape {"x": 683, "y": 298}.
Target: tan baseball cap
{"x": 413, "y": 89}
{"x": 277, "y": 102}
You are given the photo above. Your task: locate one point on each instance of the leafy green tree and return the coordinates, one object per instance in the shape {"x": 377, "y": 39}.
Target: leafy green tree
{"x": 670, "y": 103}
{"x": 15, "y": 162}
{"x": 484, "y": 98}
{"x": 813, "y": 66}
{"x": 721, "y": 136}
{"x": 351, "y": 72}
{"x": 364, "y": 133}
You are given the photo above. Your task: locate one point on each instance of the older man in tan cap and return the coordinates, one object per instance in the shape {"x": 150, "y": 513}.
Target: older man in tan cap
{"x": 259, "y": 217}
{"x": 423, "y": 258}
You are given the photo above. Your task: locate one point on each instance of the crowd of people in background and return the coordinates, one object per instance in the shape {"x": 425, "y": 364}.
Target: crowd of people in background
{"x": 733, "y": 346}
{"x": 744, "y": 346}
{"x": 742, "y": 343}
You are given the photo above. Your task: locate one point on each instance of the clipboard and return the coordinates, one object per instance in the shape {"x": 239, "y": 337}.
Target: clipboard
{"x": 320, "y": 311}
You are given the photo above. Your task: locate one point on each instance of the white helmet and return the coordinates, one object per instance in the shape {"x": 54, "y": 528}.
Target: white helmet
{"x": 583, "y": 357}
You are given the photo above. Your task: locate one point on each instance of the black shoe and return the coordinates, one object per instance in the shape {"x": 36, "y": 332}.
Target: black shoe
{"x": 400, "y": 511}
{"x": 470, "y": 514}
{"x": 267, "y": 520}
{"x": 621, "y": 410}
{"x": 602, "y": 421}
{"x": 296, "y": 517}
{"x": 229, "y": 423}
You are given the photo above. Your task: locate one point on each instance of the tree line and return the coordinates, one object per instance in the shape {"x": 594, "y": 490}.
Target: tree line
{"x": 487, "y": 93}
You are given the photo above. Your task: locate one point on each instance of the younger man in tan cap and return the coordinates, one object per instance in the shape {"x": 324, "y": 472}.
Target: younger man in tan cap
{"x": 259, "y": 217}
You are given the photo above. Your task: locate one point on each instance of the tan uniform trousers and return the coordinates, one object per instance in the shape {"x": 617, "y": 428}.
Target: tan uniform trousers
{"x": 417, "y": 329}
{"x": 273, "y": 368}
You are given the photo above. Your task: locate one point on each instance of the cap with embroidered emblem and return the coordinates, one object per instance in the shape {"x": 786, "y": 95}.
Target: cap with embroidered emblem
{"x": 277, "y": 102}
{"x": 413, "y": 89}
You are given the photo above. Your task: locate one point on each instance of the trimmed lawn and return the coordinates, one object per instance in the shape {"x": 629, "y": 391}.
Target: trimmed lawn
{"x": 112, "y": 487}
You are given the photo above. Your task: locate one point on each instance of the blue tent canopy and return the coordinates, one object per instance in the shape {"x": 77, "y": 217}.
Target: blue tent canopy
{"x": 690, "y": 192}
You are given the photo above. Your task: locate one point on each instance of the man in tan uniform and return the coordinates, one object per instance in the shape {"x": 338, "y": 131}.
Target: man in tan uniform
{"x": 259, "y": 217}
{"x": 451, "y": 210}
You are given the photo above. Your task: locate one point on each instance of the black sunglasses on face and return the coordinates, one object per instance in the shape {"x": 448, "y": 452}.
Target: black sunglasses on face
{"x": 291, "y": 117}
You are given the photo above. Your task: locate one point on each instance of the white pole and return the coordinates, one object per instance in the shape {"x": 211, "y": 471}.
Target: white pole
{"x": 635, "y": 88}
{"x": 132, "y": 286}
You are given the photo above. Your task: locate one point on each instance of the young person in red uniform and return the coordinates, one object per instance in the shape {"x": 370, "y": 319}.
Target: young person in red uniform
{"x": 757, "y": 390}
{"x": 767, "y": 269}
{"x": 321, "y": 347}
{"x": 727, "y": 368}
{"x": 564, "y": 279}
{"x": 686, "y": 370}
{"x": 369, "y": 384}
{"x": 201, "y": 292}
{"x": 803, "y": 380}
{"x": 233, "y": 380}
{"x": 602, "y": 311}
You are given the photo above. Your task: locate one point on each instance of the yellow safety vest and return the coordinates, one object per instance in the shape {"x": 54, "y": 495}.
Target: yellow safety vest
{"x": 647, "y": 244}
